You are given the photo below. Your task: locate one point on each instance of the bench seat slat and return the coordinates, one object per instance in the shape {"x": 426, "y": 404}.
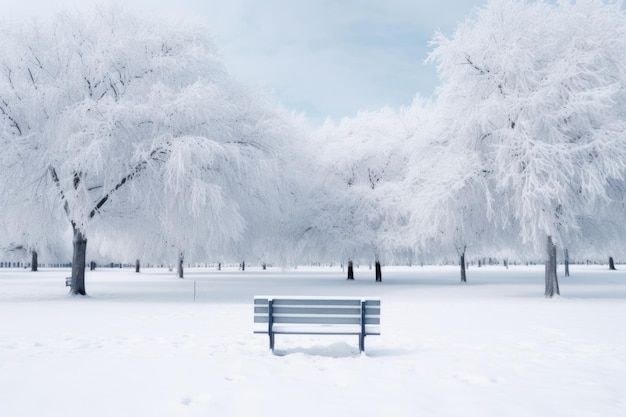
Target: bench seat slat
{"x": 368, "y": 320}
{"x": 336, "y": 330}
{"x": 313, "y": 331}
{"x": 331, "y": 302}
{"x": 313, "y": 301}
{"x": 318, "y": 310}
{"x": 310, "y": 310}
{"x": 316, "y": 320}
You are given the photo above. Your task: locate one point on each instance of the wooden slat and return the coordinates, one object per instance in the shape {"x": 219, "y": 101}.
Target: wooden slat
{"x": 313, "y": 302}
{"x": 316, "y": 320}
{"x": 321, "y": 331}
{"x": 317, "y": 310}
{"x": 310, "y": 310}
{"x": 372, "y": 311}
{"x": 320, "y": 297}
{"x": 356, "y": 301}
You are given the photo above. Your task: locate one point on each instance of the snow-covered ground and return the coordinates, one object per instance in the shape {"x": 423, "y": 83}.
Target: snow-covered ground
{"x": 140, "y": 345}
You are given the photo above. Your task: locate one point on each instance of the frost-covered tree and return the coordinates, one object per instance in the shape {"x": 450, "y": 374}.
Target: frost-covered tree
{"x": 448, "y": 198}
{"x": 363, "y": 159}
{"x": 120, "y": 123}
{"x": 249, "y": 198}
{"x": 603, "y": 227}
{"x": 536, "y": 90}
{"x": 274, "y": 203}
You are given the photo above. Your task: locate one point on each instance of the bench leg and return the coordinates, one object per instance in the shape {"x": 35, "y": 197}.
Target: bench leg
{"x": 270, "y": 322}
{"x": 362, "y": 335}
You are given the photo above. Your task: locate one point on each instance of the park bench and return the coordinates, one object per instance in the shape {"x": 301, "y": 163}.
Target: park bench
{"x": 68, "y": 281}
{"x": 317, "y": 316}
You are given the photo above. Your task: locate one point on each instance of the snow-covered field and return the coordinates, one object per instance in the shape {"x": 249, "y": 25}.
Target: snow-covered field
{"x": 140, "y": 345}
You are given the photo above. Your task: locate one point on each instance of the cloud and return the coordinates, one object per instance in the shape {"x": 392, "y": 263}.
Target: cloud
{"x": 323, "y": 57}
{"x": 334, "y": 58}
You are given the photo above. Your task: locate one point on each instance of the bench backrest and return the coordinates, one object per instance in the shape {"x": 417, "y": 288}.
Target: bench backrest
{"x": 316, "y": 310}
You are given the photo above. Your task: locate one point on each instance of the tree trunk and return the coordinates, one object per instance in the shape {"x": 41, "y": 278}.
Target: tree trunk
{"x": 566, "y": 263}
{"x": 180, "y": 270}
{"x": 350, "y": 270}
{"x": 611, "y": 264}
{"x": 463, "y": 275}
{"x": 137, "y": 266}
{"x": 379, "y": 273}
{"x": 34, "y": 263}
{"x": 243, "y": 266}
{"x": 552, "y": 282}
{"x": 78, "y": 263}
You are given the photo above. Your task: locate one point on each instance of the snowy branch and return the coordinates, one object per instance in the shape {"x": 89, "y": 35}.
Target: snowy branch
{"x": 154, "y": 156}
{"x": 3, "y": 109}
{"x": 57, "y": 182}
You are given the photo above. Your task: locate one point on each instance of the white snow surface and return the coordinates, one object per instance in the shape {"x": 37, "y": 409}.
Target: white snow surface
{"x": 140, "y": 345}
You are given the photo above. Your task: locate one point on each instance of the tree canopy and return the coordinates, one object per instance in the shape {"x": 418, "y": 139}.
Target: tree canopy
{"x": 534, "y": 94}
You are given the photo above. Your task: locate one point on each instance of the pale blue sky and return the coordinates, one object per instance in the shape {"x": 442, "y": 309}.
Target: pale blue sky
{"x": 321, "y": 57}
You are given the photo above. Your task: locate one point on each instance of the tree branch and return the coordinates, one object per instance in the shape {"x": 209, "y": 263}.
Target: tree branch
{"x": 476, "y": 67}
{"x": 66, "y": 205}
{"x": 482, "y": 72}
{"x": 154, "y": 155}
{"x": 11, "y": 119}
{"x": 32, "y": 78}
